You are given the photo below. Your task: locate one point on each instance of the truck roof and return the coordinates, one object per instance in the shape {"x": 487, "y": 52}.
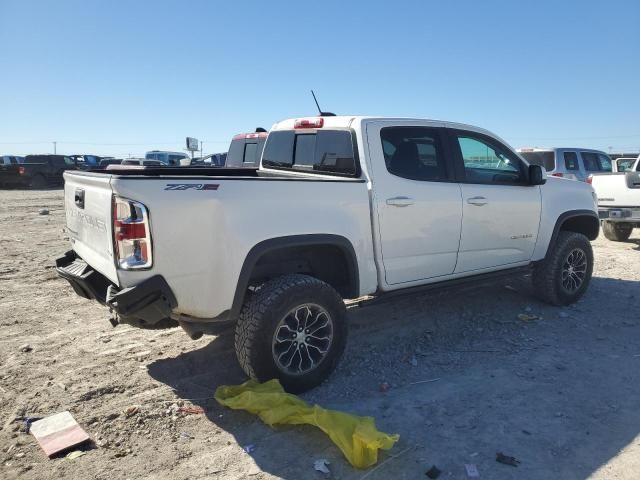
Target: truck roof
{"x": 346, "y": 121}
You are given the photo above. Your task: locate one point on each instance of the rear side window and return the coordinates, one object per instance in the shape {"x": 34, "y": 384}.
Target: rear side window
{"x": 542, "y": 159}
{"x": 414, "y": 153}
{"x": 571, "y": 160}
{"x": 325, "y": 151}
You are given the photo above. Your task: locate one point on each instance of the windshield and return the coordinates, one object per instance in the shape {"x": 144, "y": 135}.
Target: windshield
{"x": 543, "y": 159}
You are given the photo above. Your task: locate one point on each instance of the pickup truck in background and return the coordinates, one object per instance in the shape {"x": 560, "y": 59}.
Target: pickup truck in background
{"x": 568, "y": 162}
{"x": 37, "y": 171}
{"x": 348, "y": 208}
{"x": 246, "y": 149}
{"x": 618, "y": 203}
{"x": 626, "y": 164}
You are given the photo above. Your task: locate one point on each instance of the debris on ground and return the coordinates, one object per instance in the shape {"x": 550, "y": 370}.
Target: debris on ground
{"x": 184, "y": 436}
{"x": 25, "y": 348}
{"x": 190, "y": 410}
{"x": 384, "y": 387}
{"x": 433, "y": 472}
{"x": 249, "y": 448}
{"x": 43, "y": 211}
{"x": 525, "y": 317}
{"x": 414, "y": 361}
{"x": 58, "y": 432}
{"x": 357, "y": 437}
{"x": 472, "y": 470}
{"x": 507, "y": 460}
{"x": 131, "y": 411}
{"x": 320, "y": 465}
{"x": 27, "y": 421}
{"x": 75, "y": 454}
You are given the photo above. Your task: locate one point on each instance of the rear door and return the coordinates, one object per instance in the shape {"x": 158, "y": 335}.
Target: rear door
{"x": 87, "y": 201}
{"x": 416, "y": 200}
{"x": 501, "y": 213}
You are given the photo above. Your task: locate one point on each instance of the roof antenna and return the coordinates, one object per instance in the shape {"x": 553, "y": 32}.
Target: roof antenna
{"x": 322, "y": 114}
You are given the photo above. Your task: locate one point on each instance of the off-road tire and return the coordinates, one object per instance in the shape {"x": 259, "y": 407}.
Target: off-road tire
{"x": 37, "y": 182}
{"x": 262, "y": 313}
{"x": 547, "y": 274}
{"x": 616, "y": 232}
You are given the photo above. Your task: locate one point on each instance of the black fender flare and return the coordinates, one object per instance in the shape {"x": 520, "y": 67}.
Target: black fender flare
{"x": 272, "y": 244}
{"x": 562, "y": 219}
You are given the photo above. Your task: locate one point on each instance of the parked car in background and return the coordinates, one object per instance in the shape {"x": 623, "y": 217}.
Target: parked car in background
{"x": 618, "y": 203}
{"x": 86, "y": 162}
{"x": 10, "y": 159}
{"x": 624, "y": 164}
{"x": 143, "y": 162}
{"x": 572, "y": 163}
{"x": 37, "y": 171}
{"x": 349, "y": 207}
{"x": 246, "y": 149}
{"x": 168, "y": 158}
{"x": 105, "y": 162}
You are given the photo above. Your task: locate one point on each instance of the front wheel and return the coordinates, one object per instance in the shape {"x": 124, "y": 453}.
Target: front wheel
{"x": 293, "y": 328}
{"x": 564, "y": 275}
{"x": 616, "y": 232}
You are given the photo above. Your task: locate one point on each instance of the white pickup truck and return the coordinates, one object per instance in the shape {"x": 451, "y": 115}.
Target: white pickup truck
{"x": 340, "y": 208}
{"x": 618, "y": 201}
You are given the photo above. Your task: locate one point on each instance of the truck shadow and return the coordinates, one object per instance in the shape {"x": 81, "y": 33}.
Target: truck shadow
{"x": 559, "y": 392}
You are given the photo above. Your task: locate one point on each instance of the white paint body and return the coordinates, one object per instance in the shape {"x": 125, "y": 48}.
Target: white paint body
{"x": 201, "y": 238}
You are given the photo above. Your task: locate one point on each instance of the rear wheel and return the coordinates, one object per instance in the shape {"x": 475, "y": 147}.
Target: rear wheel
{"x": 38, "y": 181}
{"x": 616, "y": 232}
{"x": 293, "y": 328}
{"x": 564, "y": 275}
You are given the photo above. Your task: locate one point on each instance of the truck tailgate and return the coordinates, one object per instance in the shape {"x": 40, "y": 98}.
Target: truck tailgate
{"x": 617, "y": 189}
{"x": 87, "y": 201}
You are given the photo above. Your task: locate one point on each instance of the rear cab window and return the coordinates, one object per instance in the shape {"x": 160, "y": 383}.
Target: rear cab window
{"x": 245, "y": 150}
{"x": 329, "y": 152}
{"x": 571, "y": 161}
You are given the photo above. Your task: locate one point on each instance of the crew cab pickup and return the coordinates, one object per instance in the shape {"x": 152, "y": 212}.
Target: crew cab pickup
{"x": 339, "y": 208}
{"x": 37, "y": 171}
{"x": 618, "y": 203}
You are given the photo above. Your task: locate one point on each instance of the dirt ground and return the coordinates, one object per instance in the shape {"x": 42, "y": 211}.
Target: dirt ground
{"x": 560, "y": 393}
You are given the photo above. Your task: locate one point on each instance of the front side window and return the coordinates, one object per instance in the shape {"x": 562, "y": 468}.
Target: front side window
{"x": 605, "y": 162}
{"x": 596, "y": 162}
{"x": 571, "y": 160}
{"x": 486, "y": 162}
{"x": 414, "y": 153}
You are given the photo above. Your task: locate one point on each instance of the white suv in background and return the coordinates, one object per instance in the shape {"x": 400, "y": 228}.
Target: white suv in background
{"x": 573, "y": 163}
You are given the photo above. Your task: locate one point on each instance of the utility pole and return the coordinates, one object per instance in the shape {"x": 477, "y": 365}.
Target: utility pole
{"x": 54, "y": 148}
{"x": 201, "y": 150}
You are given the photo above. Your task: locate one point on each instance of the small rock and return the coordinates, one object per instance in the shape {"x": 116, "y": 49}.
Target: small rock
{"x": 563, "y": 314}
{"x": 414, "y": 361}
{"x": 43, "y": 211}
{"x": 25, "y": 348}
{"x": 106, "y": 340}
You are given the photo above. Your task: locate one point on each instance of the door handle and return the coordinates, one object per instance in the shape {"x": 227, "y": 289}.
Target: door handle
{"x": 400, "y": 201}
{"x": 477, "y": 201}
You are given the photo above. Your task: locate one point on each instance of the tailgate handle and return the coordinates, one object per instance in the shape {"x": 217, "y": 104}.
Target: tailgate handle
{"x": 78, "y": 198}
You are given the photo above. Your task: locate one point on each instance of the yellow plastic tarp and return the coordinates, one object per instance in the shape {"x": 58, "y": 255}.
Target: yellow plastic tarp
{"x": 357, "y": 437}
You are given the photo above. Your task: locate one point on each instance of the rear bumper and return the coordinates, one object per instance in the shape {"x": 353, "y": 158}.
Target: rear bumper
{"x": 621, "y": 214}
{"x": 147, "y": 305}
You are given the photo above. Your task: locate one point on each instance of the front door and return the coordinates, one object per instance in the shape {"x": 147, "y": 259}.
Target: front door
{"x": 501, "y": 213}
{"x": 418, "y": 206}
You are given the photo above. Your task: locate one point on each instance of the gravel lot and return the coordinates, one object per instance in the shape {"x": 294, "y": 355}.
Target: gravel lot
{"x": 561, "y": 393}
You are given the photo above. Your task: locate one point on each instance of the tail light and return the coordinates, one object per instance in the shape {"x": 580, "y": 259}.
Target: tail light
{"x": 21, "y": 170}
{"x": 590, "y": 179}
{"x": 317, "y": 122}
{"x": 557, "y": 174}
{"x": 131, "y": 234}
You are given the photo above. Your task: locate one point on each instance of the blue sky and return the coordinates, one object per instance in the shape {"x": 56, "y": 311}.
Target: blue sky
{"x": 123, "y": 77}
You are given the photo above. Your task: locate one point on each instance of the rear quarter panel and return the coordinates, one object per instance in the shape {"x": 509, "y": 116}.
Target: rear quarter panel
{"x": 202, "y": 237}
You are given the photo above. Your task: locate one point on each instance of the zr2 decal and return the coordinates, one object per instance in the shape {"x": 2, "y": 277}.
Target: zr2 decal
{"x": 191, "y": 186}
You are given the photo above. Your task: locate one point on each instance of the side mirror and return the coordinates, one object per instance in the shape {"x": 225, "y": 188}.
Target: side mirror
{"x": 536, "y": 175}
